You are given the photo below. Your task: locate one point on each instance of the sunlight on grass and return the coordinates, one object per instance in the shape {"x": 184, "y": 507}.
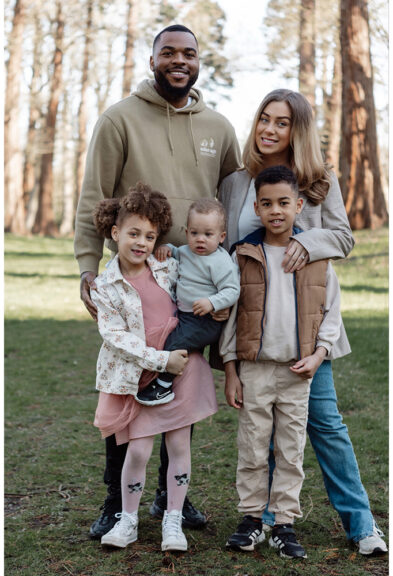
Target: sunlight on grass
{"x": 54, "y": 457}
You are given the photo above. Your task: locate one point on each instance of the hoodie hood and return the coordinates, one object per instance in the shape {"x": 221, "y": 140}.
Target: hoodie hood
{"x": 146, "y": 91}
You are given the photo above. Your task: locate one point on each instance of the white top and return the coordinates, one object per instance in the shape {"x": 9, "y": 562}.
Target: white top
{"x": 279, "y": 342}
{"x": 248, "y": 220}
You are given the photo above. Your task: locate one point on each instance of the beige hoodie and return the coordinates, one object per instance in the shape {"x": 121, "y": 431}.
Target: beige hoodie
{"x": 185, "y": 154}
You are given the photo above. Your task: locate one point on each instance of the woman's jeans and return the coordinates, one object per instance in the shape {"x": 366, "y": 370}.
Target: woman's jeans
{"x": 333, "y": 448}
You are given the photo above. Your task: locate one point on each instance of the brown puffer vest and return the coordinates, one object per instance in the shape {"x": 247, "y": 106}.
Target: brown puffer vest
{"x": 310, "y": 296}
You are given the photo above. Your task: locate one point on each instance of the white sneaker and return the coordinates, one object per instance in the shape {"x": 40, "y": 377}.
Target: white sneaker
{"x": 172, "y": 534}
{"x": 123, "y": 532}
{"x": 372, "y": 545}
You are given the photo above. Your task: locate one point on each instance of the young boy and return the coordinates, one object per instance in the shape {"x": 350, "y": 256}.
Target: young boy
{"x": 281, "y": 330}
{"x": 208, "y": 281}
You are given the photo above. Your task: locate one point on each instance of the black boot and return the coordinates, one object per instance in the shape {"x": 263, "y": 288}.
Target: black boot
{"x": 107, "y": 520}
{"x": 115, "y": 456}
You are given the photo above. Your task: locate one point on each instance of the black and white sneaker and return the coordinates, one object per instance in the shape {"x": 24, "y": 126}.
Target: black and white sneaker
{"x": 284, "y": 538}
{"x": 247, "y": 535}
{"x": 154, "y": 394}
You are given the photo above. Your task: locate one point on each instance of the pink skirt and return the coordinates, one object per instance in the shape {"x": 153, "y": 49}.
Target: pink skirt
{"x": 195, "y": 399}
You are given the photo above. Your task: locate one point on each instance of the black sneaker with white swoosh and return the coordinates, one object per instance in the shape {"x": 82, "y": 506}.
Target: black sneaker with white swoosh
{"x": 154, "y": 394}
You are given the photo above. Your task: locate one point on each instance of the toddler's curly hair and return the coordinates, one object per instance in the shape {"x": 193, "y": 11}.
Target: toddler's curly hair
{"x": 140, "y": 200}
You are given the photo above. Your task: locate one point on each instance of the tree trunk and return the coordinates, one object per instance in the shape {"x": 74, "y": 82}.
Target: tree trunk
{"x": 359, "y": 160}
{"x": 307, "y": 81}
{"x": 67, "y": 177}
{"x": 45, "y": 221}
{"x": 29, "y": 170}
{"x": 14, "y": 210}
{"x": 128, "y": 74}
{"x": 82, "y": 112}
{"x": 334, "y": 113}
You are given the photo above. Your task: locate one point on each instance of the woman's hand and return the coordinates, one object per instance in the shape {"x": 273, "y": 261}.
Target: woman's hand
{"x": 177, "y": 362}
{"x": 296, "y": 257}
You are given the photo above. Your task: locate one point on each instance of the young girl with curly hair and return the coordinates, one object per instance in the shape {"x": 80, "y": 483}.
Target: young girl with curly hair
{"x": 136, "y": 312}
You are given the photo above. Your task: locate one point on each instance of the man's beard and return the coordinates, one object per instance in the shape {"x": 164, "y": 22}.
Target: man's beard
{"x": 174, "y": 91}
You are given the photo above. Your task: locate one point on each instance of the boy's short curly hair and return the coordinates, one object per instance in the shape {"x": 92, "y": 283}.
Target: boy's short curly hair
{"x": 206, "y": 206}
{"x": 140, "y": 200}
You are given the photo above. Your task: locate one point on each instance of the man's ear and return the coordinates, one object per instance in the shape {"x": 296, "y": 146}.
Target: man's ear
{"x": 151, "y": 63}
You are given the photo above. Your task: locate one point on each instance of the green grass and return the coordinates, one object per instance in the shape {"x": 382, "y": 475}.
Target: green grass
{"x": 54, "y": 458}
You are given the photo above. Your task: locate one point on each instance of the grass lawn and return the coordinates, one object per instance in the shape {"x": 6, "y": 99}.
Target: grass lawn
{"x": 54, "y": 457}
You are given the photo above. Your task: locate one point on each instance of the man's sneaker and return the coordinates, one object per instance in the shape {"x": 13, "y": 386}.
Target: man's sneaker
{"x": 172, "y": 534}
{"x": 247, "y": 535}
{"x": 154, "y": 394}
{"x": 374, "y": 544}
{"x": 107, "y": 520}
{"x": 124, "y": 532}
{"x": 283, "y": 537}
{"x": 192, "y": 518}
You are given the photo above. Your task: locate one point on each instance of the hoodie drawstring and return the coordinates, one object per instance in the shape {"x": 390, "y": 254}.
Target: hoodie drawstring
{"x": 172, "y": 149}
{"x": 169, "y": 130}
{"x": 193, "y": 140}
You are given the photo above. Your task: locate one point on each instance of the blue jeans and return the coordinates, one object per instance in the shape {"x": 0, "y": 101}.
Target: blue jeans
{"x": 334, "y": 451}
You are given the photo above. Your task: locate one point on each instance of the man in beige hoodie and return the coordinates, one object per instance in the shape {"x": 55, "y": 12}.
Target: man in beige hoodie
{"x": 164, "y": 135}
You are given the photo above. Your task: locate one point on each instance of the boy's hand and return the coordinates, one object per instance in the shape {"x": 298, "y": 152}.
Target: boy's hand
{"x": 233, "y": 386}
{"x": 202, "y": 307}
{"x": 162, "y": 253}
{"x": 221, "y": 315}
{"x": 177, "y": 361}
{"x": 307, "y": 367}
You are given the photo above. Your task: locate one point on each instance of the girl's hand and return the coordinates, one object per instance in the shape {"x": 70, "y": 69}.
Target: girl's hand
{"x": 177, "y": 361}
{"x": 307, "y": 367}
{"x": 202, "y": 307}
{"x": 296, "y": 257}
{"x": 162, "y": 253}
{"x": 221, "y": 315}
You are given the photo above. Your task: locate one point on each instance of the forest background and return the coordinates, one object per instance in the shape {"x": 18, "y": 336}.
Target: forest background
{"x": 66, "y": 62}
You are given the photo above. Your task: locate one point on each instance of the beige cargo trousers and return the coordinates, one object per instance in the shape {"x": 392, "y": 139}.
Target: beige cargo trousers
{"x": 273, "y": 396}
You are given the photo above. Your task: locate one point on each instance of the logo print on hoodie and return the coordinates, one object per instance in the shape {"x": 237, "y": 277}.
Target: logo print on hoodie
{"x": 208, "y": 147}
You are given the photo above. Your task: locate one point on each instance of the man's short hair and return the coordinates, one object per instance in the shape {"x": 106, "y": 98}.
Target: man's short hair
{"x": 174, "y": 28}
{"x": 275, "y": 175}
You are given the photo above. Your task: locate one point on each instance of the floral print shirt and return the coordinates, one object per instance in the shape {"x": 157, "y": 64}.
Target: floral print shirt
{"x": 124, "y": 353}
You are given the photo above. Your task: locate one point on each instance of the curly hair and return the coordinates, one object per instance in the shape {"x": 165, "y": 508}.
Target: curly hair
{"x": 140, "y": 200}
{"x": 305, "y": 153}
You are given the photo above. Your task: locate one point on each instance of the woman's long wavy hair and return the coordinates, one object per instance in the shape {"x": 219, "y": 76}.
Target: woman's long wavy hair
{"x": 304, "y": 149}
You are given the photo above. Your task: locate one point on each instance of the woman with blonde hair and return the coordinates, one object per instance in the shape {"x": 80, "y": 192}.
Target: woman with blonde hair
{"x": 284, "y": 133}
